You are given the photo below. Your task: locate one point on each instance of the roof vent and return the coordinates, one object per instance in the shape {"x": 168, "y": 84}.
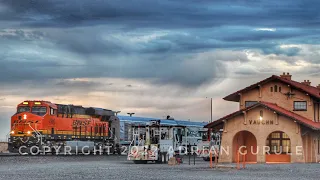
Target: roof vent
{"x": 306, "y": 82}
{"x": 286, "y": 76}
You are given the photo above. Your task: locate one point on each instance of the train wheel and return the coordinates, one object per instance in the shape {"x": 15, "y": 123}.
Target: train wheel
{"x": 140, "y": 162}
{"x": 34, "y": 151}
{"x": 54, "y": 152}
{"x": 159, "y": 160}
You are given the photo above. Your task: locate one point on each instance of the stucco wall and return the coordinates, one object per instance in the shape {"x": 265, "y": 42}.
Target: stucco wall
{"x": 310, "y": 143}
{"x": 261, "y": 132}
{"x": 279, "y": 98}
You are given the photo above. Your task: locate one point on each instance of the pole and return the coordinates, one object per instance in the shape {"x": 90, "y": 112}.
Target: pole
{"x": 210, "y": 152}
{"x": 215, "y": 158}
{"x": 244, "y": 161}
{"x": 194, "y": 158}
{"x": 211, "y": 110}
{"x": 238, "y": 159}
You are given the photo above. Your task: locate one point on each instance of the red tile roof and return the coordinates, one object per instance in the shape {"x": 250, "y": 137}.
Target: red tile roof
{"x": 291, "y": 115}
{"x": 313, "y": 91}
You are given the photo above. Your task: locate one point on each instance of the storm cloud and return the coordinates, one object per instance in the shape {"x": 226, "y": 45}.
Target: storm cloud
{"x": 87, "y": 39}
{"x": 151, "y": 57}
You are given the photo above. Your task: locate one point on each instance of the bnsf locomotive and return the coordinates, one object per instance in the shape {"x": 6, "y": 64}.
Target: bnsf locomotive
{"x": 42, "y": 123}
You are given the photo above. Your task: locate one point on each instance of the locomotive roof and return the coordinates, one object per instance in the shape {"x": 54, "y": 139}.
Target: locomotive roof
{"x": 41, "y": 101}
{"x": 57, "y": 104}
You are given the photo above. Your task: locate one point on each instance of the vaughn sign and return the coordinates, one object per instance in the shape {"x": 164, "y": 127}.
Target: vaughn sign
{"x": 263, "y": 122}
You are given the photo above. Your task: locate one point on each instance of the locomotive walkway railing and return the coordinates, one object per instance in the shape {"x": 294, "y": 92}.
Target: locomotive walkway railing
{"x": 113, "y": 134}
{"x": 39, "y": 135}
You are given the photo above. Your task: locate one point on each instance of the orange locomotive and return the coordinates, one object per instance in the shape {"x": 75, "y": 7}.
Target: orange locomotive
{"x": 39, "y": 123}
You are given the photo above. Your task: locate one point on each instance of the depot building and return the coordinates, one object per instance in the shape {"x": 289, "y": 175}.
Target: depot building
{"x": 277, "y": 121}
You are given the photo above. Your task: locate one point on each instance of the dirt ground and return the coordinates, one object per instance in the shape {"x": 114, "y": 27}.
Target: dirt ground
{"x": 3, "y": 147}
{"x": 118, "y": 167}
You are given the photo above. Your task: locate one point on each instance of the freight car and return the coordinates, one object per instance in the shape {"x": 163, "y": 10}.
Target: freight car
{"x": 44, "y": 124}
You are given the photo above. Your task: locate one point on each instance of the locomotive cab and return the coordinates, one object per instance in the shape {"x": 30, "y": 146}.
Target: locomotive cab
{"x": 29, "y": 117}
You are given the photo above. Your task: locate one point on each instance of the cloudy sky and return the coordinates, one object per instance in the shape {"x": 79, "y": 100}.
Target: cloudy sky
{"x": 151, "y": 57}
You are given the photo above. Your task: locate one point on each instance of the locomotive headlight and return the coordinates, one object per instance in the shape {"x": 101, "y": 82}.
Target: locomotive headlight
{"x": 12, "y": 132}
{"x": 28, "y": 132}
{"x": 24, "y": 116}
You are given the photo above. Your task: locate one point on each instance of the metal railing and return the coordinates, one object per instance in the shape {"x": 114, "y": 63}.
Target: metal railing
{"x": 38, "y": 134}
{"x": 113, "y": 134}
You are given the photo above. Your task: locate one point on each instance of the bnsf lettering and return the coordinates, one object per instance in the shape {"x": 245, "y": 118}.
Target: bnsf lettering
{"x": 81, "y": 123}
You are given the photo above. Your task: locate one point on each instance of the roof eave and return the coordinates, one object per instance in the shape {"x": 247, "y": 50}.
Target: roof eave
{"x": 234, "y": 98}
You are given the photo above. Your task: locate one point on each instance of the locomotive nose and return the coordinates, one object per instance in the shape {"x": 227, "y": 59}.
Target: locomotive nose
{"x": 24, "y": 117}
{"x": 25, "y": 124}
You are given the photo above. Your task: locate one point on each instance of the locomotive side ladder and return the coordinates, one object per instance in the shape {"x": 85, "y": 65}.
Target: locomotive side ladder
{"x": 136, "y": 135}
{"x": 39, "y": 135}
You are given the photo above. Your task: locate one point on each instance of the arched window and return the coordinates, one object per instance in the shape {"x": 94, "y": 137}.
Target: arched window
{"x": 279, "y": 88}
{"x": 271, "y": 89}
{"x": 275, "y": 88}
{"x": 279, "y": 142}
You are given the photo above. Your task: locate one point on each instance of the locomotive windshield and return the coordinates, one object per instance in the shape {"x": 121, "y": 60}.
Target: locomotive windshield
{"x": 23, "y": 109}
{"x": 39, "y": 110}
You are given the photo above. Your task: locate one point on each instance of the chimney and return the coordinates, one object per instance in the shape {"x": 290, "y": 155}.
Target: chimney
{"x": 318, "y": 86}
{"x": 306, "y": 82}
{"x": 286, "y": 76}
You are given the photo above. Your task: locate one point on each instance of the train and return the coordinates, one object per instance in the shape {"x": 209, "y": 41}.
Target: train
{"x": 154, "y": 140}
{"x": 127, "y": 123}
{"x": 44, "y": 124}
{"x": 39, "y": 124}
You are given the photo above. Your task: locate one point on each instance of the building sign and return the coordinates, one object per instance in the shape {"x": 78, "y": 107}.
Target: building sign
{"x": 263, "y": 122}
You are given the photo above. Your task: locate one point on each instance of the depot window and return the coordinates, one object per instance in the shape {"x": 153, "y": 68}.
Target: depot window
{"x": 279, "y": 142}
{"x": 300, "y": 105}
{"x": 250, "y": 103}
{"x": 38, "y": 110}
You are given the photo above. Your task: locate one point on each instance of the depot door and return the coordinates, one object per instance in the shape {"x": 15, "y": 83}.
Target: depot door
{"x": 245, "y": 141}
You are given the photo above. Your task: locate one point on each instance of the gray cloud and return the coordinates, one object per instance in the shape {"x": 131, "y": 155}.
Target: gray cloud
{"x": 161, "y": 13}
{"x": 61, "y": 57}
{"x": 176, "y": 47}
{"x": 292, "y": 51}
